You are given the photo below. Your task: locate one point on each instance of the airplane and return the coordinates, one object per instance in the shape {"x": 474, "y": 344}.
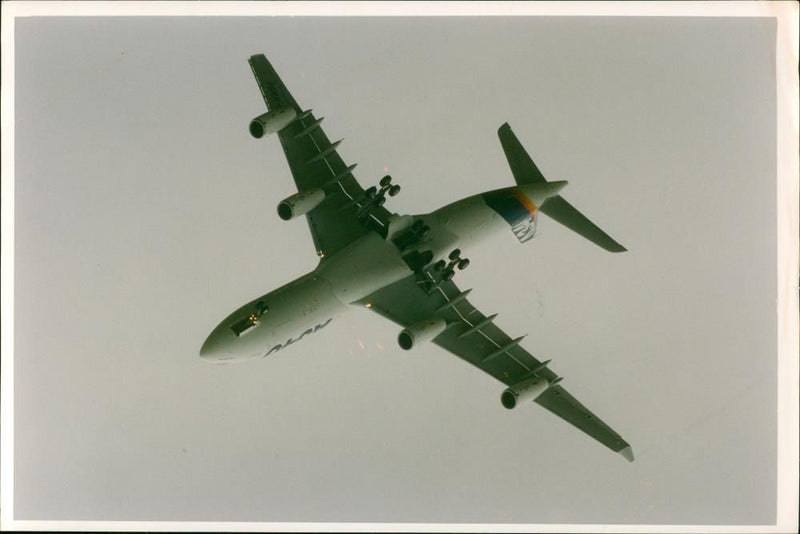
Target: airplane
{"x": 401, "y": 266}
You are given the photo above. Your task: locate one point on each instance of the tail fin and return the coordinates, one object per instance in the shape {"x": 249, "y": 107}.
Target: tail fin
{"x": 525, "y": 171}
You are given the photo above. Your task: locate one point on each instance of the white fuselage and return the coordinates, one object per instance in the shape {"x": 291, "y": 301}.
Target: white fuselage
{"x": 300, "y": 308}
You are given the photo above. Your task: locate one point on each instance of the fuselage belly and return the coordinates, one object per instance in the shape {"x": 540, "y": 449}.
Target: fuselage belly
{"x": 304, "y": 306}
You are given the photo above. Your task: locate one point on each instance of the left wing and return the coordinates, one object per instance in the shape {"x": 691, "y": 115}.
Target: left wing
{"x": 315, "y": 164}
{"x": 474, "y": 337}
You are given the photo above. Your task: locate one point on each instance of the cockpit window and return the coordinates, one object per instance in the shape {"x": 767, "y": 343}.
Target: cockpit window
{"x": 248, "y": 323}
{"x": 261, "y": 308}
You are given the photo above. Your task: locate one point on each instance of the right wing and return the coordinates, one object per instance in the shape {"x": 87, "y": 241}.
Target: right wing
{"x": 315, "y": 164}
{"x": 474, "y": 338}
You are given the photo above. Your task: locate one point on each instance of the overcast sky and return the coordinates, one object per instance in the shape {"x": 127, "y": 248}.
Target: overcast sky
{"x": 145, "y": 213}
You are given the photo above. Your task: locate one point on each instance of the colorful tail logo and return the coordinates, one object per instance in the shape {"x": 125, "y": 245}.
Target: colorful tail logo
{"x": 517, "y": 210}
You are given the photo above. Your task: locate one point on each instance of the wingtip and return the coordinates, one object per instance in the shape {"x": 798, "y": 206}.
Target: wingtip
{"x": 627, "y": 453}
{"x": 504, "y": 126}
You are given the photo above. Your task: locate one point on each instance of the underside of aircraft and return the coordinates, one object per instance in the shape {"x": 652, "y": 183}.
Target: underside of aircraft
{"x": 401, "y": 266}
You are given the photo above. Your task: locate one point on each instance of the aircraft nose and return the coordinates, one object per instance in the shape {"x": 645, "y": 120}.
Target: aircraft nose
{"x": 214, "y": 349}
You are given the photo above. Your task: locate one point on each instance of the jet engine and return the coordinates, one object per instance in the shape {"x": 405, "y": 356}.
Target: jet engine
{"x": 420, "y": 332}
{"x": 300, "y": 203}
{"x": 271, "y": 122}
{"x": 524, "y": 391}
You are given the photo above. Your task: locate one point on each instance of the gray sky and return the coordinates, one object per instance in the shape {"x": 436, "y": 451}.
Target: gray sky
{"x": 145, "y": 213}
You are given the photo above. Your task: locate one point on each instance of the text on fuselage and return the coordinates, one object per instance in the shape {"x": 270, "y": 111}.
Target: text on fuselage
{"x": 525, "y": 229}
{"x": 289, "y": 341}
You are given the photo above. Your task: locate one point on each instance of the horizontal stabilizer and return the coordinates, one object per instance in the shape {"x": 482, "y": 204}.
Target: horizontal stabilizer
{"x": 562, "y": 211}
{"x": 525, "y": 171}
{"x": 522, "y": 166}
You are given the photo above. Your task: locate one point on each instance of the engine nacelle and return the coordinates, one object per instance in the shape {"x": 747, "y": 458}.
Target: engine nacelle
{"x": 300, "y": 203}
{"x": 527, "y": 390}
{"x": 271, "y": 122}
{"x": 420, "y": 332}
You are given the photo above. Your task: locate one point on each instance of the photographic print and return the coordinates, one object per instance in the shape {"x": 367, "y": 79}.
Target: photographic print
{"x": 579, "y": 222}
